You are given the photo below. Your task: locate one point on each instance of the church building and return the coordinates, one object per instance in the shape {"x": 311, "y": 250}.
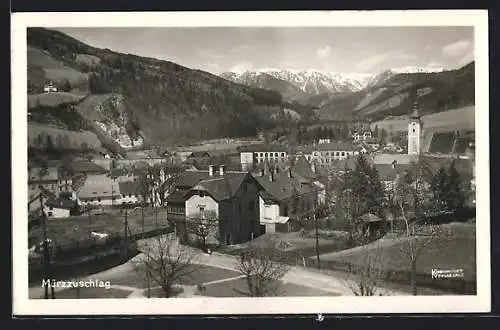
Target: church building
{"x": 414, "y": 131}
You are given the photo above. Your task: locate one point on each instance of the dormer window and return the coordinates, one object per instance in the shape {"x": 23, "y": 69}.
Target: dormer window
{"x": 201, "y": 194}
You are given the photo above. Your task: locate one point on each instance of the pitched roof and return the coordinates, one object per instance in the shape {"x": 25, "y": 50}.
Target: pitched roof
{"x": 283, "y": 187}
{"x": 369, "y": 217}
{"x": 199, "y": 154}
{"x": 86, "y": 166}
{"x": 178, "y": 196}
{"x": 341, "y": 165}
{"x": 61, "y": 203}
{"x": 222, "y": 187}
{"x": 99, "y": 186}
{"x": 128, "y": 187}
{"x": 303, "y": 168}
{"x": 262, "y": 148}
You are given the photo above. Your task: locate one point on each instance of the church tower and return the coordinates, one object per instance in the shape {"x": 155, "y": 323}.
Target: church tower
{"x": 414, "y": 130}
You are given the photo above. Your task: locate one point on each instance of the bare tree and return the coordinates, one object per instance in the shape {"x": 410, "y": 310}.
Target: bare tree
{"x": 262, "y": 269}
{"x": 348, "y": 209}
{"x": 158, "y": 181}
{"x": 204, "y": 224}
{"x": 166, "y": 263}
{"x": 369, "y": 272}
{"x": 413, "y": 205}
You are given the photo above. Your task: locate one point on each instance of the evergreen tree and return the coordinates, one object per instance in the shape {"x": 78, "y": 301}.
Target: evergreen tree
{"x": 365, "y": 184}
{"x": 455, "y": 197}
{"x": 439, "y": 185}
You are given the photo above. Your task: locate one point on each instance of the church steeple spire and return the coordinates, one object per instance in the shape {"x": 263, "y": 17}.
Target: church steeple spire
{"x": 415, "y": 108}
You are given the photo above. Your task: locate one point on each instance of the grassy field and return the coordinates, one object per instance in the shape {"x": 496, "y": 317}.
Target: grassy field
{"x": 53, "y": 99}
{"x": 54, "y": 70}
{"x": 68, "y": 230}
{"x": 460, "y": 119}
{"x": 202, "y": 274}
{"x": 238, "y": 288}
{"x": 295, "y": 248}
{"x": 75, "y": 138}
{"x": 455, "y": 249}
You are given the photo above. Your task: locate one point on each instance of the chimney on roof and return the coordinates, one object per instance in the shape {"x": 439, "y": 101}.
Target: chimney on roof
{"x": 271, "y": 176}
{"x": 221, "y": 169}
{"x": 211, "y": 170}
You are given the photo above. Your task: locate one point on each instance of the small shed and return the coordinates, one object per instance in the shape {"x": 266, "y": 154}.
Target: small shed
{"x": 372, "y": 223}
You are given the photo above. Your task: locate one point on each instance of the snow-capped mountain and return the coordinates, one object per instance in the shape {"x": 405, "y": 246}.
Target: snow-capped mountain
{"x": 315, "y": 82}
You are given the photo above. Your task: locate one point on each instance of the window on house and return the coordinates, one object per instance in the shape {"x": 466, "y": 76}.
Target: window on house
{"x": 99, "y": 199}
{"x": 413, "y": 130}
{"x": 129, "y": 195}
{"x": 343, "y": 153}
{"x": 285, "y": 210}
{"x": 50, "y": 214}
{"x": 201, "y": 194}
{"x": 94, "y": 192}
{"x": 51, "y": 208}
{"x": 201, "y": 209}
{"x": 245, "y": 187}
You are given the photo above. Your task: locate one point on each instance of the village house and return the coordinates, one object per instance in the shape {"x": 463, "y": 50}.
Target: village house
{"x": 86, "y": 167}
{"x": 50, "y": 87}
{"x": 232, "y": 196}
{"x": 53, "y": 206}
{"x": 361, "y": 136}
{"x": 61, "y": 208}
{"x": 129, "y": 193}
{"x": 286, "y": 198}
{"x": 99, "y": 190}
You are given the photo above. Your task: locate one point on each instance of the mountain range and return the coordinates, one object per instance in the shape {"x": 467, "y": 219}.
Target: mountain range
{"x": 374, "y": 96}
{"x": 131, "y": 101}
{"x": 316, "y": 82}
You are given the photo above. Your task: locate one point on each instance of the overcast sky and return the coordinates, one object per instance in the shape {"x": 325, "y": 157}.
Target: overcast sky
{"x": 338, "y": 49}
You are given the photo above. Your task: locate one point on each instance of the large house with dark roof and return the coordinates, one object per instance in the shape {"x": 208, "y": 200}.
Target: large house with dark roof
{"x": 231, "y": 195}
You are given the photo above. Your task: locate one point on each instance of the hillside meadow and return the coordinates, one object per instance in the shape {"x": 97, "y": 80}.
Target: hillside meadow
{"x": 459, "y": 119}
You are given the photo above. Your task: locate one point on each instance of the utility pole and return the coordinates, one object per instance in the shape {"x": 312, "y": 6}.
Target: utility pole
{"x": 90, "y": 223}
{"x": 142, "y": 219}
{"x": 126, "y": 233}
{"x": 148, "y": 277}
{"x": 317, "y": 237}
{"x": 156, "y": 216}
{"x": 46, "y": 254}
